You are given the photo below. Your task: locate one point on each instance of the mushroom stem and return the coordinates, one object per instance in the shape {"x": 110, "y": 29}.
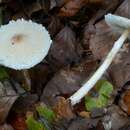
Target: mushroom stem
{"x": 77, "y": 96}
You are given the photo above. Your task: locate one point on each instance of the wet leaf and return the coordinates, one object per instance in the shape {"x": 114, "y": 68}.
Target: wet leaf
{"x": 103, "y": 90}
{"x": 45, "y": 112}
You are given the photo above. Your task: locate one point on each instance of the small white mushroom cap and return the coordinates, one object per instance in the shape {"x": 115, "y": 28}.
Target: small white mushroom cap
{"x": 117, "y": 23}
{"x": 23, "y": 44}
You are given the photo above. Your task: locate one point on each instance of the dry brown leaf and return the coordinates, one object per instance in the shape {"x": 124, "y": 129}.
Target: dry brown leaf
{"x": 101, "y": 42}
{"x": 54, "y": 26}
{"x": 7, "y": 98}
{"x": 103, "y": 39}
{"x": 39, "y": 77}
{"x": 63, "y": 49}
{"x": 67, "y": 81}
{"x": 120, "y": 72}
{"x": 63, "y": 109}
{"x": 73, "y": 6}
{"x": 60, "y": 3}
{"x": 6, "y": 127}
{"x": 18, "y": 122}
{"x": 84, "y": 124}
{"x": 116, "y": 117}
{"x": 85, "y": 114}
{"x": 34, "y": 7}
{"x": 124, "y": 101}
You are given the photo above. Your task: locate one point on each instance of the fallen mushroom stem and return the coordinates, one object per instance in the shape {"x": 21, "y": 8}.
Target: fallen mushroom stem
{"x": 77, "y": 96}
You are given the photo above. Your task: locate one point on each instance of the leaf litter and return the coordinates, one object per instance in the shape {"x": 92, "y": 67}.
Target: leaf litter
{"x": 80, "y": 41}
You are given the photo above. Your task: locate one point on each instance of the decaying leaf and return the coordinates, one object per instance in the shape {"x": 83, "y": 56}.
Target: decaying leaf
{"x": 115, "y": 118}
{"x": 7, "y": 97}
{"x": 124, "y": 101}
{"x": 63, "y": 109}
{"x": 33, "y": 8}
{"x": 79, "y": 124}
{"x": 60, "y": 3}
{"x": 65, "y": 69}
{"x": 39, "y": 77}
{"x": 84, "y": 114}
{"x": 101, "y": 43}
{"x": 6, "y": 127}
{"x": 67, "y": 81}
{"x": 26, "y": 102}
{"x": 126, "y": 127}
{"x": 85, "y": 124}
{"x": 73, "y": 6}
{"x": 55, "y": 26}
{"x": 64, "y": 40}
{"x": 18, "y": 122}
{"x": 120, "y": 72}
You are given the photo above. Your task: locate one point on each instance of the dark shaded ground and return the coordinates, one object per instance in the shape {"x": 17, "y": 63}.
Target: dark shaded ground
{"x": 81, "y": 40}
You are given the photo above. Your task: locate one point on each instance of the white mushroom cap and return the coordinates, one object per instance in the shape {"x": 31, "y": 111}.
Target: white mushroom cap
{"x": 117, "y": 23}
{"x": 23, "y": 44}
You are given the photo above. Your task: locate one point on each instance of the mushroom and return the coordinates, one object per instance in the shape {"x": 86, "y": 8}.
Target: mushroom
{"x": 23, "y": 44}
{"x": 118, "y": 24}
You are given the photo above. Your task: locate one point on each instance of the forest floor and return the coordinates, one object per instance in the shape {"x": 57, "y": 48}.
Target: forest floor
{"x": 37, "y": 98}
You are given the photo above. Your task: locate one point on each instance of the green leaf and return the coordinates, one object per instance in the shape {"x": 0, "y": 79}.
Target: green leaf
{"x": 3, "y": 73}
{"x": 102, "y": 101}
{"x": 45, "y": 112}
{"x": 90, "y": 103}
{"x": 106, "y": 88}
{"x": 103, "y": 90}
{"x": 32, "y": 124}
